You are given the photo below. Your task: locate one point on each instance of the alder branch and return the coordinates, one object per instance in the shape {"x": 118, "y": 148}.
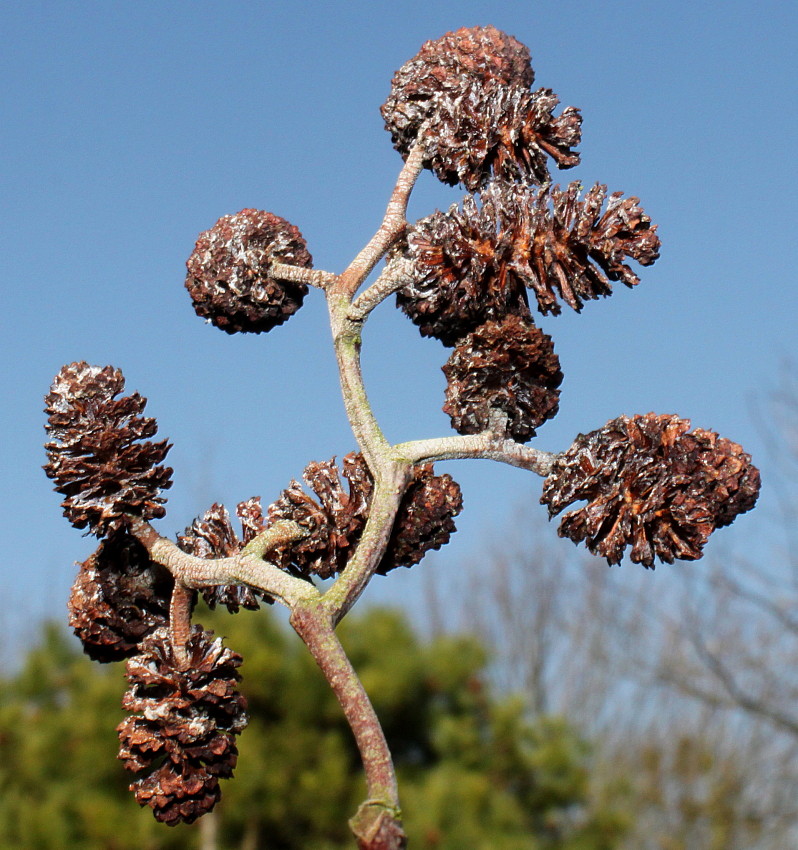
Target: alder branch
{"x": 380, "y": 812}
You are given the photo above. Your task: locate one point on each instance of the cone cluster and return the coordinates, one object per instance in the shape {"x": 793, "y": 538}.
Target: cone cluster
{"x": 229, "y": 277}
{"x": 97, "y": 451}
{"x": 336, "y": 518}
{"x": 466, "y": 98}
{"x": 181, "y": 736}
{"x": 652, "y": 484}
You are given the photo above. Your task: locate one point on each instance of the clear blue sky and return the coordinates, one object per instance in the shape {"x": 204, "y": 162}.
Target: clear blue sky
{"x": 128, "y": 128}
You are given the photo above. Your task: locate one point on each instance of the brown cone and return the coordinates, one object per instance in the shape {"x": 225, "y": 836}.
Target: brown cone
{"x": 574, "y": 250}
{"x": 461, "y": 268}
{"x": 650, "y": 484}
{"x": 504, "y": 378}
{"x": 212, "y": 536}
{"x": 228, "y": 272}
{"x": 425, "y": 519}
{"x": 336, "y": 521}
{"x": 471, "y": 87}
{"x": 182, "y": 736}
{"x": 118, "y": 598}
{"x": 97, "y": 452}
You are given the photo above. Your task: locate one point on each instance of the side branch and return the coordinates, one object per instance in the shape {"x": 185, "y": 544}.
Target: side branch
{"x": 299, "y": 274}
{"x": 485, "y": 445}
{"x": 394, "y": 276}
{"x": 393, "y": 224}
{"x": 244, "y": 568}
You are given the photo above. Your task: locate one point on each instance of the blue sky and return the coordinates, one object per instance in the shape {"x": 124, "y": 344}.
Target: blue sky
{"x": 127, "y": 129}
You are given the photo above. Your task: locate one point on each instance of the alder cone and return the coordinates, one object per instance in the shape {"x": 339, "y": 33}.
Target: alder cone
{"x": 212, "y": 536}
{"x": 183, "y": 734}
{"x": 97, "y": 452}
{"x": 651, "y": 484}
{"x": 504, "y": 378}
{"x": 119, "y": 597}
{"x": 425, "y": 519}
{"x": 574, "y": 250}
{"x": 229, "y": 278}
{"x": 460, "y": 262}
{"x": 336, "y": 521}
{"x": 469, "y": 91}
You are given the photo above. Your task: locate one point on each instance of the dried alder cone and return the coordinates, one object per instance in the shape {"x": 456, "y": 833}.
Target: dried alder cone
{"x": 182, "y": 735}
{"x": 575, "y": 249}
{"x": 461, "y": 270}
{"x": 503, "y": 377}
{"x": 98, "y": 454}
{"x": 469, "y": 91}
{"x": 229, "y": 276}
{"x": 336, "y": 521}
{"x": 212, "y": 536}
{"x": 119, "y": 597}
{"x": 425, "y": 519}
{"x": 651, "y": 484}
{"x": 475, "y": 263}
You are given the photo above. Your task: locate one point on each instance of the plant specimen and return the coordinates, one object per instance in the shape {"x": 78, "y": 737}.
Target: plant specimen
{"x": 471, "y": 277}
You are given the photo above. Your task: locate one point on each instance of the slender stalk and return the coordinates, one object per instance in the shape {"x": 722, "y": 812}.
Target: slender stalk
{"x": 347, "y": 341}
{"x": 394, "y": 276}
{"x": 351, "y": 583}
{"x": 180, "y": 622}
{"x": 484, "y": 445}
{"x": 299, "y": 274}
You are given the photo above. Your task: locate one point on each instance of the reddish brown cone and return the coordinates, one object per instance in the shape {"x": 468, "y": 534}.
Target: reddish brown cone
{"x": 461, "y": 267}
{"x": 228, "y": 272}
{"x": 182, "y": 736}
{"x": 336, "y": 521}
{"x": 425, "y": 519}
{"x": 97, "y": 452}
{"x": 651, "y": 484}
{"x": 469, "y": 89}
{"x": 503, "y": 377}
{"x": 118, "y": 598}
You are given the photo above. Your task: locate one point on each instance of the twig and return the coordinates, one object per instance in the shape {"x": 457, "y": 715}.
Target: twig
{"x": 394, "y": 276}
{"x": 244, "y": 568}
{"x": 393, "y": 224}
{"x": 485, "y": 445}
{"x": 299, "y": 274}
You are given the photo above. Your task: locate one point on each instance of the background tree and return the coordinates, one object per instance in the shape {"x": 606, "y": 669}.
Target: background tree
{"x": 476, "y": 770}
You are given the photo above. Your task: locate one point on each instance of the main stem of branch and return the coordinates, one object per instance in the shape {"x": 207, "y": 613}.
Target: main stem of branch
{"x": 377, "y": 824}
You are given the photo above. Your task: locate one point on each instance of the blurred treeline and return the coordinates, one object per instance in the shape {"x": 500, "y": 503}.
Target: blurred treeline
{"x": 539, "y": 702}
{"x": 476, "y": 770}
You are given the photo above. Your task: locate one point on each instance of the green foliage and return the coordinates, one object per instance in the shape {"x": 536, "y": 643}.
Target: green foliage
{"x": 474, "y": 770}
